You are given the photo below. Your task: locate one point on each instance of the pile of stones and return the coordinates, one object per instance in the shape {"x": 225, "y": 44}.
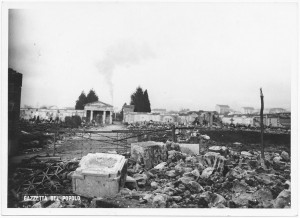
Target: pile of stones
{"x": 220, "y": 178}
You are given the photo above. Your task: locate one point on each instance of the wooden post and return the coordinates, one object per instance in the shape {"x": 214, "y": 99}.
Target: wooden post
{"x": 139, "y": 137}
{"x": 173, "y": 134}
{"x": 55, "y": 133}
{"x": 262, "y": 124}
{"x": 200, "y": 145}
{"x": 82, "y": 140}
{"x": 210, "y": 119}
{"x": 118, "y": 142}
{"x": 54, "y": 145}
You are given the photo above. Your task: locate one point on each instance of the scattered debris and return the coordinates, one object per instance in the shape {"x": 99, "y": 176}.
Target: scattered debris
{"x": 40, "y": 175}
{"x": 157, "y": 174}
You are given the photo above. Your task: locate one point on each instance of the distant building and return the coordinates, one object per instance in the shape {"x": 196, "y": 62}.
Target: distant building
{"x": 276, "y": 110}
{"x": 271, "y": 120}
{"x": 238, "y": 119}
{"x": 222, "y": 109}
{"x": 50, "y": 114}
{"x": 184, "y": 111}
{"x": 173, "y": 112}
{"x": 207, "y": 117}
{"x": 99, "y": 111}
{"x": 268, "y": 120}
{"x": 256, "y": 111}
{"x": 285, "y": 119}
{"x": 137, "y": 117}
{"x": 233, "y": 112}
{"x": 266, "y": 110}
{"x": 248, "y": 110}
{"x": 67, "y": 108}
{"x": 187, "y": 118}
{"x": 160, "y": 111}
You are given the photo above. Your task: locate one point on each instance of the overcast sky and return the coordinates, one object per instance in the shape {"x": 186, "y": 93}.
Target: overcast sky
{"x": 192, "y": 55}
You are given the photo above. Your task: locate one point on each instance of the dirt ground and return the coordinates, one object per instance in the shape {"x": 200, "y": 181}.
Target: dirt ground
{"x": 70, "y": 146}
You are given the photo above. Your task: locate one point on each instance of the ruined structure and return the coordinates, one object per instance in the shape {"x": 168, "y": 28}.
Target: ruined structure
{"x": 14, "y": 99}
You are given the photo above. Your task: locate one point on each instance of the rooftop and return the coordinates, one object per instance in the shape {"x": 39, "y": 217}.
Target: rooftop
{"x": 252, "y": 108}
{"x": 98, "y": 102}
{"x": 129, "y": 106}
{"x": 222, "y": 105}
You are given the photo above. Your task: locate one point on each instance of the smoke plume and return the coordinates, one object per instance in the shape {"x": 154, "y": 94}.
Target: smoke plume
{"x": 125, "y": 53}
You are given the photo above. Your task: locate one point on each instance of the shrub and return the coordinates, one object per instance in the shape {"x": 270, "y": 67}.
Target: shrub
{"x": 73, "y": 122}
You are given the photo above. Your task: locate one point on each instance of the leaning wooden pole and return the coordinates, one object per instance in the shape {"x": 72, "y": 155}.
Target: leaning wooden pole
{"x": 262, "y": 124}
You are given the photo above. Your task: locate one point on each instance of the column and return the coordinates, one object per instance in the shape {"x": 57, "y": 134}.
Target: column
{"x": 104, "y": 116}
{"x": 110, "y": 117}
{"x": 91, "y": 118}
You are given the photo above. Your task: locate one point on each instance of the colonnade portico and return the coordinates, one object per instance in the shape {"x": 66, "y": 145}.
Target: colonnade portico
{"x": 99, "y": 112}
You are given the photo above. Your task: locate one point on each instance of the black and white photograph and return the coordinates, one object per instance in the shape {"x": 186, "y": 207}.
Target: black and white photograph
{"x": 189, "y": 107}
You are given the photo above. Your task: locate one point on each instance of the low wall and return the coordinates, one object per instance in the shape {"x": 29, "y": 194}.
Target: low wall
{"x": 46, "y": 114}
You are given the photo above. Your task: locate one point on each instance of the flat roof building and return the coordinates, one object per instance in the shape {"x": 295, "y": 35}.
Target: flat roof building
{"x": 222, "y": 109}
{"x": 248, "y": 110}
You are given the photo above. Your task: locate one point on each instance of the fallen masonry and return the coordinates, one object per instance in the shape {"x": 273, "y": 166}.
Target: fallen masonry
{"x": 158, "y": 175}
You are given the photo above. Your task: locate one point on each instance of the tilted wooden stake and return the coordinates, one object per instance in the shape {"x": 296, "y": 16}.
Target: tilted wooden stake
{"x": 262, "y": 124}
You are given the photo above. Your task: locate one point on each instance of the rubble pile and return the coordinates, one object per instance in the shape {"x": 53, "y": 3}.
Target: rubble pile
{"x": 160, "y": 125}
{"x": 36, "y": 136}
{"x": 40, "y": 176}
{"x": 149, "y": 125}
{"x": 276, "y": 130}
{"x": 220, "y": 178}
{"x": 162, "y": 175}
{"x": 192, "y": 134}
{"x": 29, "y": 141}
{"x": 185, "y": 135}
{"x": 155, "y": 134}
